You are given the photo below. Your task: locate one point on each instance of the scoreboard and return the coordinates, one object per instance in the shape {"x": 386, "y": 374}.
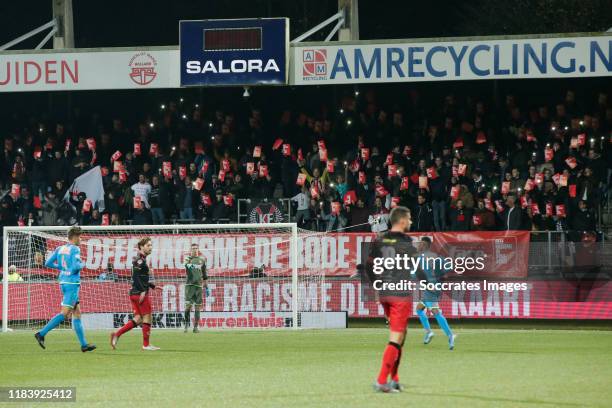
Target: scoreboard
{"x": 234, "y": 52}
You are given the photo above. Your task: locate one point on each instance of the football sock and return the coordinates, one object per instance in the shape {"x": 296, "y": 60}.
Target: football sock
{"x": 389, "y": 358}
{"x": 187, "y": 318}
{"x": 424, "y": 320}
{"x": 395, "y": 368}
{"x": 443, "y": 324}
{"x": 52, "y": 324}
{"x": 78, "y": 328}
{"x": 196, "y": 322}
{"x": 126, "y": 328}
{"x": 146, "y": 332}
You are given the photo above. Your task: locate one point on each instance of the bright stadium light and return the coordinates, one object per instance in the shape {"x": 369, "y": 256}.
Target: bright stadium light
{"x": 184, "y": 116}
{"x": 162, "y": 106}
{"x": 151, "y": 125}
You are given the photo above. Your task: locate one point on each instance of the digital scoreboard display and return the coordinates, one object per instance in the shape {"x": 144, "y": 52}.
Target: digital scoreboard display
{"x": 240, "y": 52}
{"x": 232, "y": 39}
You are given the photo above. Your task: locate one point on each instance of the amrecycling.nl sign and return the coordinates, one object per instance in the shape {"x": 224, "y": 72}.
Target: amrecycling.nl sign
{"x": 404, "y": 61}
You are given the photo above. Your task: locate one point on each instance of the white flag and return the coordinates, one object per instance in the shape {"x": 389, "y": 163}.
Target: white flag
{"x": 89, "y": 183}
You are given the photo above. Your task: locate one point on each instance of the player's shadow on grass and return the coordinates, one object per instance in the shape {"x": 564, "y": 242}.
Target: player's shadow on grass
{"x": 499, "y": 399}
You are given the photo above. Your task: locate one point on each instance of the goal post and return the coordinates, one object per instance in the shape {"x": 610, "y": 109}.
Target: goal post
{"x": 5, "y": 274}
{"x": 257, "y": 276}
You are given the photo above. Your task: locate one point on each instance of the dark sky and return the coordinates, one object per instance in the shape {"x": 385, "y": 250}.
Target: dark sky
{"x": 110, "y": 23}
{"x": 153, "y": 22}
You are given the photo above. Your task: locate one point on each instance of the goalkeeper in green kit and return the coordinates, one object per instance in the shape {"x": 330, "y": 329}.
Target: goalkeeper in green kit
{"x": 195, "y": 267}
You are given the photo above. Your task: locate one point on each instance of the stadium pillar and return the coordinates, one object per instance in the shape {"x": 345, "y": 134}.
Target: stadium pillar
{"x": 349, "y": 31}
{"x": 347, "y": 23}
{"x": 62, "y": 13}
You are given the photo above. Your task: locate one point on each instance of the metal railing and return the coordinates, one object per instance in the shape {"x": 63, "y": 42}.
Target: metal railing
{"x": 554, "y": 251}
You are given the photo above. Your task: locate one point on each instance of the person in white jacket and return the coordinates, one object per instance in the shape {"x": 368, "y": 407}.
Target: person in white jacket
{"x": 379, "y": 218}
{"x": 302, "y": 216}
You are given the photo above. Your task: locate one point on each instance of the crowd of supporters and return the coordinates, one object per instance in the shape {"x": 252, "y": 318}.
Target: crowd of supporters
{"x": 463, "y": 166}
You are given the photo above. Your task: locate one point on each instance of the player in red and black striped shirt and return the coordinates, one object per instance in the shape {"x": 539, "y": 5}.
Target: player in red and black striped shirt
{"x": 396, "y": 304}
{"x": 139, "y": 297}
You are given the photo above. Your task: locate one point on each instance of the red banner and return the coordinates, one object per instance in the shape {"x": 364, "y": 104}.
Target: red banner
{"x": 301, "y": 179}
{"x": 344, "y": 294}
{"x": 225, "y": 165}
{"x": 234, "y": 254}
{"x": 257, "y": 151}
{"x": 286, "y": 150}
{"x": 323, "y": 155}
{"x": 167, "y": 169}
{"x": 277, "y": 143}
{"x": 506, "y": 253}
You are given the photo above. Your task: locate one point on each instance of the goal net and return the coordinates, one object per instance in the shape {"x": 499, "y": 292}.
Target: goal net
{"x": 259, "y": 276}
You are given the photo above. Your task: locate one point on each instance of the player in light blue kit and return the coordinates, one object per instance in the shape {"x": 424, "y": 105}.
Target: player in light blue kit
{"x": 67, "y": 259}
{"x": 432, "y": 274}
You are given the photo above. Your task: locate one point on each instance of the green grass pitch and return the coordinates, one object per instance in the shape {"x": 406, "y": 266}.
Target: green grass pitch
{"x": 333, "y": 368}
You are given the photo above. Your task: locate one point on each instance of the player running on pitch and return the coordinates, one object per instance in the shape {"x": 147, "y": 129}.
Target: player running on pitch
{"x": 139, "y": 296}
{"x": 396, "y": 304}
{"x": 195, "y": 267}
{"x": 67, "y": 259}
{"x": 432, "y": 273}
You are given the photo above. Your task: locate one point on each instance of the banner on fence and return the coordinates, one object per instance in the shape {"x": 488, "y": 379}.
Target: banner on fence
{"x": 231, "y": 254}
{"x": 542, "y": 299}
